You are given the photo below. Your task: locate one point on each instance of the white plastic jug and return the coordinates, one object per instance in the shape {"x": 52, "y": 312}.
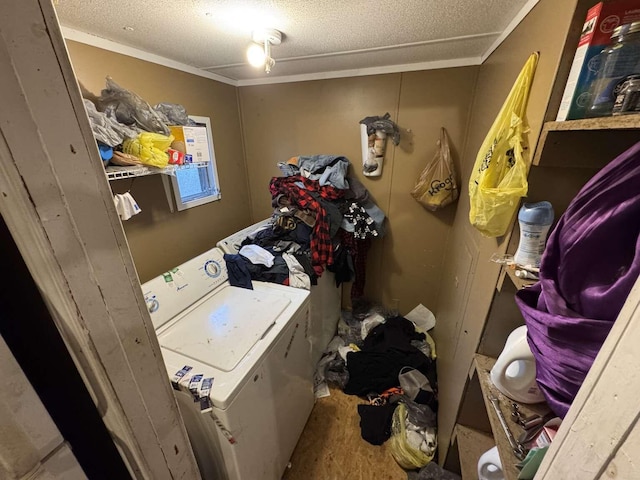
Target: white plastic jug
{"x": 514, "y": 373}
{"x": 489, "y": 466}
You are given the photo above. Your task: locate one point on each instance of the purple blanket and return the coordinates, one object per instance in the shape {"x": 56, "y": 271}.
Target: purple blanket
{"x": 589, "y": 266}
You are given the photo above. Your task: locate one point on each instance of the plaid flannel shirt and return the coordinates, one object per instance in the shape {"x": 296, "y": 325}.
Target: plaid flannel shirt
{"x": 321, "y": 247}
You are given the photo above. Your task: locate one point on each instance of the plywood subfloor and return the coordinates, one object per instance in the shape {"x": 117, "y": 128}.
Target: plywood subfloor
{"x": 331, "y": 447}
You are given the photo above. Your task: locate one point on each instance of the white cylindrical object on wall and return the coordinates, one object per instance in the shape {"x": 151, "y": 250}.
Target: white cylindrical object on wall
{"x": 373, "y": 148}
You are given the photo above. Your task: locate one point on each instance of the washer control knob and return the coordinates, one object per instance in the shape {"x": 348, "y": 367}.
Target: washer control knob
{"x": 152, "y": 305}
{"x": 212, "y": 268}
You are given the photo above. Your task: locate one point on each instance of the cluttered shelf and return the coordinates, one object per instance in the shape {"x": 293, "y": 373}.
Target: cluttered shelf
{"x": 115, "y": 172}
{"x": 586, "y": 143}
{"x": 482, "y": 367}
{"x": 518, "y": 282}
{"x": 509, "y": 271}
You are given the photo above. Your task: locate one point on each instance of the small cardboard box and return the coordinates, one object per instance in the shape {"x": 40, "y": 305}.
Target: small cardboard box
{"x": 195, "y": 140}
{"x": 599, "y": 24}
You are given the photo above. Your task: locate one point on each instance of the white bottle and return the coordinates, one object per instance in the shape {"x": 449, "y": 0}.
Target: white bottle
{"x": 534, "y": 219}
{"x": 514, "y": 373}
{"x": 489, "y": 466}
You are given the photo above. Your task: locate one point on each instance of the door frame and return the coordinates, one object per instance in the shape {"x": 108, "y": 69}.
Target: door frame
{"x": 57, "y": 204}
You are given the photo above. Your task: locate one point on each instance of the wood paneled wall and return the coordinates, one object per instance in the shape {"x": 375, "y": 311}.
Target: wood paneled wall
{"x": 469, "y": 279}
{"x": 306, "y": 118}
{"x": 159, "y": 239}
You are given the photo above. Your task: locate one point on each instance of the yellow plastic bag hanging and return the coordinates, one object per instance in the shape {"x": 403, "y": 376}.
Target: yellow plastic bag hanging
{"x": 499, "y": 176}
{"x": 436, "y": 188}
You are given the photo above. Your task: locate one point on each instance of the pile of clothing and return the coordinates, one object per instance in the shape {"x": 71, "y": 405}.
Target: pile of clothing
{"x": 322, "y": 219}
{"x": 384, "y": 358}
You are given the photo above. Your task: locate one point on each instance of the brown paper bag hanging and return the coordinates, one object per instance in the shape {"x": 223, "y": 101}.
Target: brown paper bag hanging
{"x": 437, "y": 186}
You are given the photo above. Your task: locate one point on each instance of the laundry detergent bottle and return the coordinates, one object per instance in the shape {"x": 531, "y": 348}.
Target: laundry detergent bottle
{"x": 489, "y": 465}
{"x": 534, "y": 219}
{"x": 514, "y": 373}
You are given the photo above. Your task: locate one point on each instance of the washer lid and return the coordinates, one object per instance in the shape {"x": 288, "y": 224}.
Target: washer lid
{"x": 221, "y": 330}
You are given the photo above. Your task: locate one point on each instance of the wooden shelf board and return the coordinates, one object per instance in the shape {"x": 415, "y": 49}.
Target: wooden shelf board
{"x": 588, "y": 143}
{"x": 472, "y": 444}
{"x": 483, "y": 365}
{"x": 620, "y": 122}
{"x": 519, "y": 283}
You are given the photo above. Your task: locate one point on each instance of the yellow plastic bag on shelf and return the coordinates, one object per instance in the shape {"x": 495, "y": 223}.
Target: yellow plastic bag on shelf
{"x": 408, "y": 457}
{"x": 150, "y": 148}
{"x": 437, "y": 186}
{"x": 499, "y": 176}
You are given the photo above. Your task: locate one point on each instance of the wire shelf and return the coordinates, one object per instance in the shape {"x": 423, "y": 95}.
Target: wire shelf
{"x": 115, "y": 173}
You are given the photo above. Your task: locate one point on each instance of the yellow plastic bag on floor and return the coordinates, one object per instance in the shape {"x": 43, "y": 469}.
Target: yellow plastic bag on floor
{"x": 437, "y": 186}
{"x": 499, "y": 176}
{"x": 407, "y": 456}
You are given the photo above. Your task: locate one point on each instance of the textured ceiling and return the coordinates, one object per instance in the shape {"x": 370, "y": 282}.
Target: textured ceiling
{"x": 320, "y": 35}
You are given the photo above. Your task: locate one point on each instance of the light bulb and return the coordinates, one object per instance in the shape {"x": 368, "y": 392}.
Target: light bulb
{"x": 256, "y": 55}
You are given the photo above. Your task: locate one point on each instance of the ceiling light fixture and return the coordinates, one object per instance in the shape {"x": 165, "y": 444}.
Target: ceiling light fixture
{"x": 259, "y": 53}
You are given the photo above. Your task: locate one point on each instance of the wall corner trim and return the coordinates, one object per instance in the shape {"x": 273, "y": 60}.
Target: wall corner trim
{"x": 524, "y": 11}
{"x": 361, "y": 72}
{"x": 99, "y": 42}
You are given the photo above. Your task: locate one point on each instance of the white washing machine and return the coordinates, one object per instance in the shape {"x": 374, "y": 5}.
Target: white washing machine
{"x": 254, "y": 346}
{"x": 326, "y": 298}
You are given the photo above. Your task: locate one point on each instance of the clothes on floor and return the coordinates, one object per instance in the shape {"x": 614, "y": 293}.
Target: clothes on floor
{"x": 343, "y": 351}
{"x": 386, "y": 351}
{"x": 371, "y": 322}
{"x": 432, "y": 471}
{"x": 375, "y": 422}
{"x": 378, "y": 371}
{"x": 396, "y": 332}
{"x": 391, "y": 395}
{"x": 417, "y": 387}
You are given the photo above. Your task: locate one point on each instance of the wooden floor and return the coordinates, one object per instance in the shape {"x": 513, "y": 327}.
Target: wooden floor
{"x": 331, "y": 447}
